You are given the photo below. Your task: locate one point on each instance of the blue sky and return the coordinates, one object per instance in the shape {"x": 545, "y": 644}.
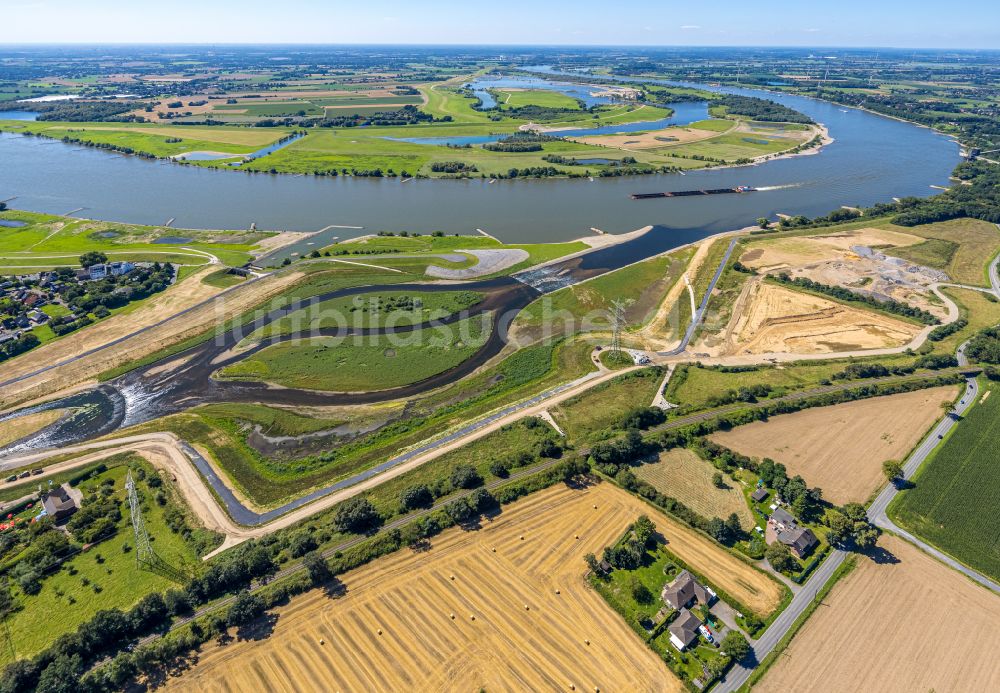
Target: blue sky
{"x": 903, "y": 23}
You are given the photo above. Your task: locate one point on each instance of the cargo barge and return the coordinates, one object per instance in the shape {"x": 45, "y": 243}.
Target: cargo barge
{"x": 689, "y": 193}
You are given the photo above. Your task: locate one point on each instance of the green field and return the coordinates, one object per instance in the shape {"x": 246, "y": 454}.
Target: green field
{"x": 537, "y": 252}
{"x": 535, "y": 97}
{"x": 373, "y": 310}
{"x": 105, "y": 576}
{"x": 49, "y": 241}
{"x": 221, "y": 429}
{"x": 154, "y": 139}
{"x": 695, "y": 388}
{"x": 961, "y": 247}
{"x": 594, "y": 413}
{"x": 584, "y": 307}
{"x": 349, "y": 150}
{"x": 957, "y": 490}
{"x": 363, "y": 363}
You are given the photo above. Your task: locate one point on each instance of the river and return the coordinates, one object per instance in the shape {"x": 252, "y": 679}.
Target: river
{"x": 872, "y": 160}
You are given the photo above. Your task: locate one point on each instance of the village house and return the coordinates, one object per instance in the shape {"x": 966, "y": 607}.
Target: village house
{"x": 785, "y": 529}
{"x": 58, "y": 504}
{"x": 684, "y": 590}
{"x": 684, "y": 630}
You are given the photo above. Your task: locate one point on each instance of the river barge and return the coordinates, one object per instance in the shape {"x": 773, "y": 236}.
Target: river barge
{"x": 690, "y": 193}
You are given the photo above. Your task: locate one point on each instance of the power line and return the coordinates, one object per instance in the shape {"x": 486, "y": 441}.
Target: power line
{"x": 618, "y": 323}
{"x": 144, "y": 555}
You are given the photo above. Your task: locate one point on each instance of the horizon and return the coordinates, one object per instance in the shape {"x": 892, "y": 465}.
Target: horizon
{"x": 855, "y": 24}
{"x": 554, "y": 46}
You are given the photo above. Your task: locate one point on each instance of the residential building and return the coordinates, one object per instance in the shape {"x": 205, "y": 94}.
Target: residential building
{"x": 684, "y": 590}
{"x": 58, "y": 504}
{"x": 800, "y": 540}
{"x": 684, "y": 630}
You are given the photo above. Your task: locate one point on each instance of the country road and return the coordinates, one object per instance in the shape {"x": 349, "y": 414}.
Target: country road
{"x": 763, "y": 646}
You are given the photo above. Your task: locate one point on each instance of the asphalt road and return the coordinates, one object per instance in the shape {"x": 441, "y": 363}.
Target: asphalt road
{"x": 700, "y": 312}
{"x": 764, "y": 645}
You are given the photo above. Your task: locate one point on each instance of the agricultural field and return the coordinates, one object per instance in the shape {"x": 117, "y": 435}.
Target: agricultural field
{"x": 841, "y": 448}
{"x": 876, "y": 631}
{"x": 952, "y": 503}
{"x": 411, "y": 594}
{"x": 352, "y": 364}
{"x": 681, "y": 474}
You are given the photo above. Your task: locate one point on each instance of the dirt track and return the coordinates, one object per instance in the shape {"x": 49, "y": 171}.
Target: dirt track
{"x": 410, "y": 597}
{"x": 908, "y": 623}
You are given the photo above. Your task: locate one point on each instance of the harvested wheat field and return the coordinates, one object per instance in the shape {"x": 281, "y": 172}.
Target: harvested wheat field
{"x": 907, "y": 623}
{"x": 768, "y": 318}
{"x": 841, "y": 448}
{"x": 683, "y": 475}
{"x": 511, "y": 629}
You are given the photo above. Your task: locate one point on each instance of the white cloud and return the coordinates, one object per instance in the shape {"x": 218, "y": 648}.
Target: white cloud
{"x": 811, "y": 31}
{"x": 690, "y": 27}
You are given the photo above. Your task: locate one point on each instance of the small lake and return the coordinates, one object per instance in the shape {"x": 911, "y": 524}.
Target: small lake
{"x": 172, "y": 240}
{"x": 18, "y": 115}
{"x": 684, "y": 113}
{"x": 582, "y": 92}
{"x": 12, "y": 224}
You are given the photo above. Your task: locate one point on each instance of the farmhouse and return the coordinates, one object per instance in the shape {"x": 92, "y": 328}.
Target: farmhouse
{"x": 759, "y": 495}
{"x": 800, "y": 540}
{"x": 684, "y": 630}
{"x": 684, "y": 590}
{"x": 58, "y": 504}
{"x": 785, "y": 529}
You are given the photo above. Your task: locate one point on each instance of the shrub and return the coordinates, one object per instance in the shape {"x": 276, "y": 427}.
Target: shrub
{"x": 356, "y": 515}
{"x": 465, "y": 476}
{"x": 418, "y": 496}
{"x": 246, "y": 608}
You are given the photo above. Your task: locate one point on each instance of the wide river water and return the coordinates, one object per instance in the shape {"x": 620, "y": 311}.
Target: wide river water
{"x": 872, "y": 160}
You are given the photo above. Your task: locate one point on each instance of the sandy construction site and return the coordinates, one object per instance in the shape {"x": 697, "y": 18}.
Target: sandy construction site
{"x": 841, "y": 448}
{"x": 768, "y": 318}
{"x": 885, "y": 618}
{"x": 859, "y": 259}
{"x": 505, "y": 607}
